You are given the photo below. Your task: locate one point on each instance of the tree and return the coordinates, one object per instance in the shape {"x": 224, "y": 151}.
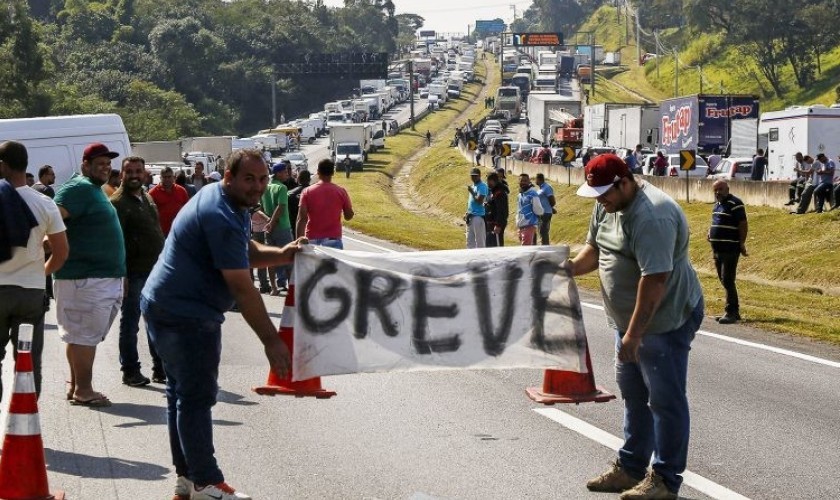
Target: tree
{"x": 21, "y": 62}
{"x": 152, "y": 114}
{"x": 717, "y": 14}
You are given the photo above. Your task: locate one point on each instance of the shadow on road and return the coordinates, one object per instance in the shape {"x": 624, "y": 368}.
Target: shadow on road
{"x": 89, "y": 467}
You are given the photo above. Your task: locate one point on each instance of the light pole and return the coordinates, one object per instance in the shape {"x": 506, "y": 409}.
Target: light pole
{"x": 700, "y": 73}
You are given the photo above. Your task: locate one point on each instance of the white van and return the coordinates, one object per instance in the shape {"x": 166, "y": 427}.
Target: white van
{"x": 59, "y": 141}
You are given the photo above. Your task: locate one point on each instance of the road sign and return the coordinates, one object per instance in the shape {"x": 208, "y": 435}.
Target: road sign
{"x": 490, "y": 27}
{"x": 472, "y": 145}
{"x": 568, "y": 154}
{"x": 537, "y": 39}
{"x": 688, "y": 159}
{"x": 505, "y": 150}
{"x": 427, "y": 34}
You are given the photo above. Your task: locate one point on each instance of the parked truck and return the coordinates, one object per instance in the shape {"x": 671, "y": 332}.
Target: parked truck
{"x": 158, "y": 151}
{"x": 220, "y": 145}
{"x": 596, "y": 121}
{"x": 540, "y": 120}
{"x": 353, "y": 140}
{"x": 702, "y": 122}
{"x": 371, "y": 86}
{"x": 509, "y": 99}
{"x": 566, "y": 66}
{"x": 639, "y": 124}
{"x": 798, "y": 129}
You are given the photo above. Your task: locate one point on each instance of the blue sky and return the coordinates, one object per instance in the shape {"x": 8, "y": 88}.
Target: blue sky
{"x": 453, "y": 17}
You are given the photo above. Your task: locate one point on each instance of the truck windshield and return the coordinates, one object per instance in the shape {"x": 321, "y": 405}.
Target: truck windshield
{"x": 348, "y": 149}
{"x": 508, "y": 92}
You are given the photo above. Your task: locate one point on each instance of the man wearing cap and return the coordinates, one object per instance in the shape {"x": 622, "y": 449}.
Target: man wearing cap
{"x": 89, "y": 288}
{"x": 638, "y": 241}
{"x": 476, "y": 236}
{"x": 278, "y": 230}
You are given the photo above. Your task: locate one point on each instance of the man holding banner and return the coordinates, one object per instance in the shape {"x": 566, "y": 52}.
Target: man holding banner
{"x": 638, "y": 240}
{"x": 203, "y": 269}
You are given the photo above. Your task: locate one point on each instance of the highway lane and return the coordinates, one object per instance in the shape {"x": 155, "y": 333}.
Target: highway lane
{"x": 764, "y": 426}
{"x": 318, "y": 150}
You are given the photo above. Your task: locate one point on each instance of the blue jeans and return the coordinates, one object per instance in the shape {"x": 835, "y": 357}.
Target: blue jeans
{"x": 280, "y": 238}
{"x": 656, "y": 416}
{"x": 130, "y": 327}
{"x": 328, "y": 242}
{"x": 191, "y": 350}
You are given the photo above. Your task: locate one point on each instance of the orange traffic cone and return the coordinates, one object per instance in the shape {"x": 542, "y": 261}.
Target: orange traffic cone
{"x": 561, "y": 386}
{"x": 285, "y": 386}
{"x": 23, "y": 470}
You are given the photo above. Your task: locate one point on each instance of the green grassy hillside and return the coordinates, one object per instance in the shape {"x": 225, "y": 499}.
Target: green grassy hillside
{"x": 723, "y": 67}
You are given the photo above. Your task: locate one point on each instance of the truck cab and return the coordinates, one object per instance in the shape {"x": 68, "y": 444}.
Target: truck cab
{"x": 352, "y": 150}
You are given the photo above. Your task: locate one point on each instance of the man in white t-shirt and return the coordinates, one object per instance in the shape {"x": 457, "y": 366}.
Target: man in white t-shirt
{"x": 22, "y": 276}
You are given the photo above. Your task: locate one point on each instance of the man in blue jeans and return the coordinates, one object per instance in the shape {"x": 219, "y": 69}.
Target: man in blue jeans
{"x": 143, "y": 242}
{"x": 204, "y": 268}
{"x": 638, "y": 241}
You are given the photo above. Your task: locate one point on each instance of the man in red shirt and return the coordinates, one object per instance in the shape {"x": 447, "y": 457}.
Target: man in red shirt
{"x": 321, "y": 207}
{"x": 169, "y": 197}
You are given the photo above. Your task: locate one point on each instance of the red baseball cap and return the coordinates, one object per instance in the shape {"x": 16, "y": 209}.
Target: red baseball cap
{"x": 96, "y": 150}
{"x": 601, "y": 172}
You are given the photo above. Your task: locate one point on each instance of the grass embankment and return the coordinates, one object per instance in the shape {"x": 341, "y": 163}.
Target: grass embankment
{"x": 786, "y": 284}
{"x": 378, "y": 213}
{"x": 724, "y": 68}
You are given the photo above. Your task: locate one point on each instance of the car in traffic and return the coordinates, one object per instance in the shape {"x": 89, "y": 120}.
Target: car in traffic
{"x": 733, "y": 168}
{"x": 299, "y": 161}
{"x": 701, "y": 169}
{"x": 424, "y": 93}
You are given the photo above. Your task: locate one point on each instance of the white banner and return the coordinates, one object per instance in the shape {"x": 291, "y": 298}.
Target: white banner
{"x": 513, "y": 307}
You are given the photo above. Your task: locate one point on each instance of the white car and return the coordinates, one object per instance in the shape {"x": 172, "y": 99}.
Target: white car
{"x": 733, "y": 168}
{"x": 298, "y": 160}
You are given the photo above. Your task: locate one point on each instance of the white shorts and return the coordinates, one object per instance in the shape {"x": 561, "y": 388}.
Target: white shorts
{"x": 86, "y": 308}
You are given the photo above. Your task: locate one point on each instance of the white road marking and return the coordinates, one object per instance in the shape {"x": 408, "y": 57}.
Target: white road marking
{"x": 600, "y": 436}
{"x": 747, "y": 343}
{"x": 372, "y": 245}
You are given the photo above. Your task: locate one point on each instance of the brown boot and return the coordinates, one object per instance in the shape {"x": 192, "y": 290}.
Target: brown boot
{"x": 652, "y": 487}
{"x": 614, "y": 480}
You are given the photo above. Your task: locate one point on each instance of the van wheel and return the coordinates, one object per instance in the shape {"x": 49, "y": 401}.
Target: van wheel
{"x": 311, "y": 140}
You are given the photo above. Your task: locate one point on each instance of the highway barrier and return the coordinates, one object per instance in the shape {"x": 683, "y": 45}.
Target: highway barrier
{"x": 23, "y": 470}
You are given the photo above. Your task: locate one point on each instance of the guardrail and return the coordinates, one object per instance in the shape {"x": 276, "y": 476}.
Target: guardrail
{"x": 770, "y": 193}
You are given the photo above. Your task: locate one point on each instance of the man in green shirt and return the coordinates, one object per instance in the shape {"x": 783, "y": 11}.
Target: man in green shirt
{"x": 278, "y": 231}
{"x": 89, "y": 288}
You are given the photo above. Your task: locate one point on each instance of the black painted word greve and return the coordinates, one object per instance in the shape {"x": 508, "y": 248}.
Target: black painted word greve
{"x": 375, "y": 290}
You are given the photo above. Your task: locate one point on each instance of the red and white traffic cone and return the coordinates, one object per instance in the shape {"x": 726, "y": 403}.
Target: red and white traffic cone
{"x": 285, "y": 386}
{"x": 561, "y": 386}
{"x": 23, "y": 470}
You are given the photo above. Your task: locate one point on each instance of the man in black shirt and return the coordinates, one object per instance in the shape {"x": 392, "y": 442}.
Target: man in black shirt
{"x": 759, "y": 166}
{"x": 46, "y": 178}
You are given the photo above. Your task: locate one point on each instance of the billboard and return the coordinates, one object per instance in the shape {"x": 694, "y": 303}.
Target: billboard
{"x": 537, "y": 39}
{"x": 490, "y": 27}
{"x": 427, "y": 34}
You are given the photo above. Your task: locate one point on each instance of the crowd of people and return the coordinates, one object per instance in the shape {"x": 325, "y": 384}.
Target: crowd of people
{"x": 178, "y": 254}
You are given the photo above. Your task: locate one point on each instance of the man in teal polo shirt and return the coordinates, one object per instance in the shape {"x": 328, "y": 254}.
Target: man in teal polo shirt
{"x": 89, "y": 288}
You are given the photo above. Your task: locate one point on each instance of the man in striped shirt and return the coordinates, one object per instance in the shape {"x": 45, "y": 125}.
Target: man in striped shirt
{"x": 728, "y": 236}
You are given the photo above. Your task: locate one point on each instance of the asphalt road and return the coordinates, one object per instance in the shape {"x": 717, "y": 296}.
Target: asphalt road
{"x": 318, "y": 150}
{"x": 764, "y": 426}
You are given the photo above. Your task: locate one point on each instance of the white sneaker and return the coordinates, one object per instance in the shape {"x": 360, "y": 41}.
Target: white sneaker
{"x": 219, "y": 491}
{"x": 183, "y": 487}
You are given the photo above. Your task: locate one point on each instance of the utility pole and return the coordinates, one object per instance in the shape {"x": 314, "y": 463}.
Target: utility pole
{"x": 513, "y": 6}
{"x": 638, "y": 37}
{"x": 273, "y": 100}
{"x": 656, "y": 41}
{"x": 502, "y": 59}
{"x": 626, "y": 25}
{"x": 700, "y": 73}
{"x": 676, "y": 74}
{"x": 592, "y": 64}
{"x": 411, "y": 91}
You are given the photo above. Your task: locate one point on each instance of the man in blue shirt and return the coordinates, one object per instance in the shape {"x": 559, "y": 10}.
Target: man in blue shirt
{"x": 728, "y": 236}
{"x": 476, "y": 237}
{"x": 203, "y": 269}
{"x": 546, "y": 194}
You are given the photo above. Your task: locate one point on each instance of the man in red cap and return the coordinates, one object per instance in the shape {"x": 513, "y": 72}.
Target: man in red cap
{"x": 89, "y": 288}
{"x": 638, "y": 241}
